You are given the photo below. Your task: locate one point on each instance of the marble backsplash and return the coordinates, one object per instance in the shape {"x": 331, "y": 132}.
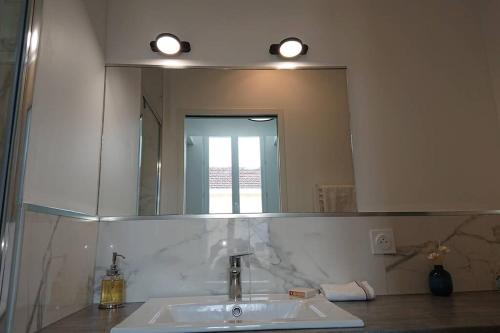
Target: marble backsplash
{"x": 57, "y": 269}
{"x": 189, "y": 256}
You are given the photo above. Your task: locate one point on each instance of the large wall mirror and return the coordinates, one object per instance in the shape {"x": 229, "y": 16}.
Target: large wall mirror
{"x": 225, "y": 141}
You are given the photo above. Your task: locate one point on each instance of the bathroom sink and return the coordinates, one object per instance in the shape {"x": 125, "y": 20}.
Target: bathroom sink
{"x": 253, "y": 312}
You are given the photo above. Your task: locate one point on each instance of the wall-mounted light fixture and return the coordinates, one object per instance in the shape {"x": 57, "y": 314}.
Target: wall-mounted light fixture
{"x": 169, "y": 44}
{"x": 289, "y": 48}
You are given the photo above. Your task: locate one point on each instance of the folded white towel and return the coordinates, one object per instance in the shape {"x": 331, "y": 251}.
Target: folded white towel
{"x": 352, "y": 291}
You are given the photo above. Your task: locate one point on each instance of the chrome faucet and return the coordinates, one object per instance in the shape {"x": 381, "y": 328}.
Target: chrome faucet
{"x": 235, "y": 276}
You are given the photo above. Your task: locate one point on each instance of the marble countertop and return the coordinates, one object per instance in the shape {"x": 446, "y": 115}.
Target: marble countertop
{"x": 462, "y": 312}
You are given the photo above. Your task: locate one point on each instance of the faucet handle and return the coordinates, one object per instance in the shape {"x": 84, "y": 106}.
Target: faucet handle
{"x": 239, "y": 255}
{"x": 235, "y": 259}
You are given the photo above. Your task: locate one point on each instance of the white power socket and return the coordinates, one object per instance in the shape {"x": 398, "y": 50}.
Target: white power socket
{"x": 382, "y": 241}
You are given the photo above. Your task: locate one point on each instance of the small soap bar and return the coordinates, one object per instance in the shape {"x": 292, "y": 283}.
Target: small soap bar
{"x": 302, "y": 292}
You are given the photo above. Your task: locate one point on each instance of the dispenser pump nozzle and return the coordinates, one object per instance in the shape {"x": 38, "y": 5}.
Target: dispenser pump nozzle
{"x": 113, "y": 269}
{"x": 116, "y": 255}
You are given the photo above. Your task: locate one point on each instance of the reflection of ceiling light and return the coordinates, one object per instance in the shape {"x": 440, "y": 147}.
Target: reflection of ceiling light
{"x": 286, "y": 65}
{"x": 169, "y": 44}
{"x": 261, "y": 119}
{"x": 289, "y": 48}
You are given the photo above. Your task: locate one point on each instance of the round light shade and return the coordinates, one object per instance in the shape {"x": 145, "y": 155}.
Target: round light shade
{"x": 290, "y": 48}
{"x": 168, "y": 44}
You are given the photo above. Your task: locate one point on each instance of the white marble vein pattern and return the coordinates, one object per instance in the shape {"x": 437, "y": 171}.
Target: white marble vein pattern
{"x": 189, "y": 256}
{"x": 306, "y": 252}
{"x": 184, "y": 257}
{"x": 474, "y": 260}
{"x": 57, "y": 269}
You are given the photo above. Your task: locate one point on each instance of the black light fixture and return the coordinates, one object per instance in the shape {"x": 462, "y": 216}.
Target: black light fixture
{"x": 289, "y": 48}
{"x": 169, "y": 44}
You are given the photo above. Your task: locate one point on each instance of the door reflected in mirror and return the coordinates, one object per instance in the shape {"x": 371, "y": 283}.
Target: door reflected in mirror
{"x": 220, "y": 141}
{"x": 150, "y": 161}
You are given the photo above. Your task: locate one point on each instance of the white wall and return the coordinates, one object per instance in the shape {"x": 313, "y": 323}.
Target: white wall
{"x": 64, "y": 144}
{"x": 120, "y": 142}
{"x": 423, "y": 113}
{"x": 490, "y": 19}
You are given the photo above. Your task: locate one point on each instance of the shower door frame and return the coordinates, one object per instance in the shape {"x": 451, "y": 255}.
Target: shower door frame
{"x": 12, "y": 177}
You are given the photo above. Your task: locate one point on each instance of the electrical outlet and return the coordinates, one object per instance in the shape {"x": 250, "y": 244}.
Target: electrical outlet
{"x": 382, "y": 241}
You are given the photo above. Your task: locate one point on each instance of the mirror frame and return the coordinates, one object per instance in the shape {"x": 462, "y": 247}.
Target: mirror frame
{"x": 82, "y": 217}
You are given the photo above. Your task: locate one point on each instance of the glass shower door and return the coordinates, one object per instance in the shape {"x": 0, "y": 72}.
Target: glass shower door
{"x": 13, "y": 34}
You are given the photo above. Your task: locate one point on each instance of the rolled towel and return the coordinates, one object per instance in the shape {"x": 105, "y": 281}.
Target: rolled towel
{"x": 352, "y": 291}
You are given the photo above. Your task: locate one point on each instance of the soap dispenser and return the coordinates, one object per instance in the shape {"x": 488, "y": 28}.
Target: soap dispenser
{"x": 112, "y": 286}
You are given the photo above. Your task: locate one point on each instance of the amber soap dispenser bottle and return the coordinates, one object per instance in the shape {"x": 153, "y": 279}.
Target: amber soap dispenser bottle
{"x": 112, "y": 286}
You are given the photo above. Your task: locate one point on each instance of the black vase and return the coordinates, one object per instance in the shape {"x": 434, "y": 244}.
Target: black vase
{"x": 440, "y": 281}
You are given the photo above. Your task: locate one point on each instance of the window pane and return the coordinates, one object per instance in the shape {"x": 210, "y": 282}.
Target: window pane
{"x": 219, "y": 175}
{"x": 250, "y": 174}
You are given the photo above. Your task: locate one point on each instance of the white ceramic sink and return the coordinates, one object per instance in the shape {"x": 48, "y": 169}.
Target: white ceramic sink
{"x": 216, "y": 313}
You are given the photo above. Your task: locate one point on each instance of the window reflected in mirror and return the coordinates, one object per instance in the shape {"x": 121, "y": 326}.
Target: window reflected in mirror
{"x": 231, "y": 165}
{"x": 220, "y": 180}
